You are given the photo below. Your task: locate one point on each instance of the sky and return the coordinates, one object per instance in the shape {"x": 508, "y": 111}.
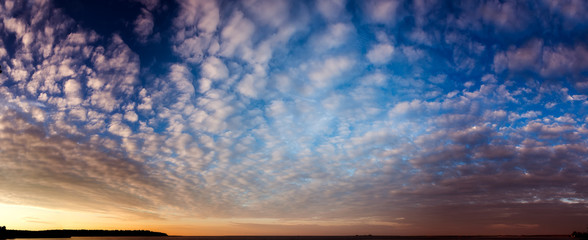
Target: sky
{"x": 275, "y": 117}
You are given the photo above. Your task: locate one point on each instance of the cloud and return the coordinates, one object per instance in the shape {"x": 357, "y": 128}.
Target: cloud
{"x": 251, "y": 85}
{"x": 131, "y": 116}
{"x": 193, "y": 49}
{"x": 376, "y": 79}
{"x": 396, "y": 115}
{"x": 546, "y": 60}
{"x": 236, "y": 34}
{"x": 332, "y": 9}
{"x": 505, "y": 15}
{"x": 380, "y": 11}
{"x": 120, "y": 129}
{"x": 64, "y": 171}
{"x": 203, "y": 14}
{"x": 334, "y": 36}
{"x": 193, "y": 43}
{"x": 213, "y": 68}
{"x": 16, "y": 26}
{"x": 380, "y": 53}
{"x": 519, "y": 58}
{"x": 570, "y": 9}
{"x": 560, "y": 60}
{"x": 331, "y": 68}
{"x": 268, "y": 12}
{"x": 144, "y": 25}
{"x": 549, "y": 131}
{"x": 149, "y": 4}
{"x": 72, "y": 90}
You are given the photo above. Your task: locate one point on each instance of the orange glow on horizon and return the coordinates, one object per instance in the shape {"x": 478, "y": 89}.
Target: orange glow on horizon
{"x": 38, "y": 218}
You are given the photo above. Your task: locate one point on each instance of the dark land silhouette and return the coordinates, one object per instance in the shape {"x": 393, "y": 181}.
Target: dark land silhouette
{"x": 11, "y": 234}
{"x": 579, "y": 235}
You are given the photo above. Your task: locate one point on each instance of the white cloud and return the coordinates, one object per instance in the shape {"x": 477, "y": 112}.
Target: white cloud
{"x": 144, "y": 25}
{"x": 204, "y": 84}
{"x": 489, "y": 78}
{"x": 193, "y": 43}
{"x": 331, "y": 9}
{"x": 18, "y": 71}
{"x": 559, "y": 60}
{"x": 496, "y": 114}
{"x": 334, "y": 36}
{"x": 149, "y": 4}
{"x": 331, "y": 68}
{"x": 376, "y": 79}
{"x": 182, "y": 78}
{"x": 146, "y": 101}
{"x": 413, "y": 54}
{"x": 72, "y": 90}
{"x": 381, "y": 11}
{"x": 251, "y": 85}
{"x": 276, "y": 108}
{"x": 269, "y": 12}
{"x": 78, "y": 113}
{"x": 203, "y": 14}
{"x": 236, "y": 34}
{"x": 567, "y": 118}
{"x": 209, "y": 21}
{"x": 65, "y": 70}
{"x": 181, "y": 87}
{"x": 282, "y": 82}
{"x": 438, "y": 79}
{"x": 16, "y": 26}
{"x": 519, "y": 58}
{"x": 405, "y": 107}
{"x": 504, "y": 15}
{"x": 421, "y": 37}
{"x": 77, "y": 38}
{"x": 38, "y": 114}
{"x": 120, "y": 129}
{"x": 3, "y": 52}
{"x": 380, "y": 53}
{"x": 214, "y": 69}
{"x": 104, "y": 100}
{"x": 95, "y": 83}
{"x": 577, "y": 97}
{"x": 117, "y": 63}
{"x": 193, "y": 49}
{"x": 131, "y": 116}
{"x": 549, "y": 61}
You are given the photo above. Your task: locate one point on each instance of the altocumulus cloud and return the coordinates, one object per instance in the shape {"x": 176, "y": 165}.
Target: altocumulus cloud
{"x": 397, "y": 114}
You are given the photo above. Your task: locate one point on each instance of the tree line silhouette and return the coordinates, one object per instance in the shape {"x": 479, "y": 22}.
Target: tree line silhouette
{"x": 8, "y": 234}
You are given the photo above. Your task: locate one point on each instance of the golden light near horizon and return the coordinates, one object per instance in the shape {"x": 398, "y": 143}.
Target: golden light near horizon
{"x": 38, "y": 218}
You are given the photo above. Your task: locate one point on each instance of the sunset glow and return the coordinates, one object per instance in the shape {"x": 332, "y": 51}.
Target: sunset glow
{"x": 286, "y": 117}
